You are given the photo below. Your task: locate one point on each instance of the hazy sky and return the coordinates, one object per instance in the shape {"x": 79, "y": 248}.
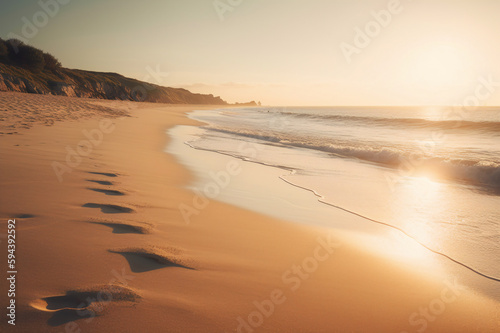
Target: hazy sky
{"x": 281, "y": 52}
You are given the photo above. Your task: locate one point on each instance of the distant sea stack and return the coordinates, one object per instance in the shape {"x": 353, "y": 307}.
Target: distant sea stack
{"x": 252, "y": 103}
{"x": 26, "y": 69}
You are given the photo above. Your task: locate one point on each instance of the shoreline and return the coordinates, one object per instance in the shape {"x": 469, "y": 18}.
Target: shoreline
{"x": 272, "y": 194}
{"x": 242, "y": 264}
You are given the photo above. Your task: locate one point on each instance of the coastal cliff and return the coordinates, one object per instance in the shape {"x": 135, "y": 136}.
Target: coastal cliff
{"x": 79, "y": 83}
{"x": 28, "y": 70}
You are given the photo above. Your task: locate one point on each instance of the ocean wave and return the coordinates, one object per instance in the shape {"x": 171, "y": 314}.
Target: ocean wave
{"x": 414, "y": 123}
{"x": 408, "y": 161}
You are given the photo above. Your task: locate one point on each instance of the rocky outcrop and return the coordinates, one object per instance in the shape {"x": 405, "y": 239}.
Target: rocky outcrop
{"x": 252, "y": 103}
{"x": 79, "y": 83}
{"x": 19, "y": 84}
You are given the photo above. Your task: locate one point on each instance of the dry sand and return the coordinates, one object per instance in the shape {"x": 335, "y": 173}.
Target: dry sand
{"x": 106, "y": 249}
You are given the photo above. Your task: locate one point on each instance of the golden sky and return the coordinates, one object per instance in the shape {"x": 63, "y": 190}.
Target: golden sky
{"x": 281, "y": 52}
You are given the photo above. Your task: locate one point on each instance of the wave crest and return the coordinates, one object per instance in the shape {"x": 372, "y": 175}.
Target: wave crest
{"x": 475, "y": 172}
{"x": 415, "y": 123}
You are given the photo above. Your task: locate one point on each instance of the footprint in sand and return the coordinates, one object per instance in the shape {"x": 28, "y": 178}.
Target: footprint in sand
{"x": 100, "y": 182}
{"x": 107, "y": 174}
{"x": 24, "y": 216}
{"x": 109, "y": 209}
{"x": 104, "y": 182}
{"x": 107, "y": 192}
{"x": 84, "y": 303}
{"x": 150, "y": 258}
{"x": 125, "y": 227}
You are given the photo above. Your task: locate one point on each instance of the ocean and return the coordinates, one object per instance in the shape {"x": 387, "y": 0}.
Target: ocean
{"x": 431, "y": 174}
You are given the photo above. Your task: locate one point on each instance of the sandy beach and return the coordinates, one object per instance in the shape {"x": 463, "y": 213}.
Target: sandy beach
{"x": 102, "y": 246}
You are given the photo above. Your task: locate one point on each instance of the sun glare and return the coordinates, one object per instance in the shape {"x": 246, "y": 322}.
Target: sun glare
{"x": 422, "y": 193}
